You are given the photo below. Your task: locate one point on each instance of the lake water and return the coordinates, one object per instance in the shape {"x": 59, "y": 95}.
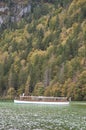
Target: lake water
{"x": 42, "y": 117}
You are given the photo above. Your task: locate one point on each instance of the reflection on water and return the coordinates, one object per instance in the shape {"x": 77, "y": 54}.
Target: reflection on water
{"x": 42, "y": 117}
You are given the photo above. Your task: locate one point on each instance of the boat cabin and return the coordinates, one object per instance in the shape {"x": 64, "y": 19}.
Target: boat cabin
{"x": 43, "y": 98}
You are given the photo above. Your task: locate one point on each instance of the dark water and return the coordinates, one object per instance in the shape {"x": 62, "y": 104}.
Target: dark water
{"x": 42, "y": 117}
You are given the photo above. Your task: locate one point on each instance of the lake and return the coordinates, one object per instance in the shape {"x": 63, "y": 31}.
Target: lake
{"x": 42, "y": 117}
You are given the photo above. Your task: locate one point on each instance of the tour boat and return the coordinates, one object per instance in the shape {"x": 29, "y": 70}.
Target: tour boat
{"x": 42, "y": 100}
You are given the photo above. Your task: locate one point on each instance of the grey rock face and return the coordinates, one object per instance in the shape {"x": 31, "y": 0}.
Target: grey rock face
{"x": 13, "y": 12}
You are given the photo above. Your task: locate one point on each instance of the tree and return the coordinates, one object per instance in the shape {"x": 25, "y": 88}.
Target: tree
{"x": 11, "y": 93}
{"x": 47, "y": 77}
{"x": 84, "y": 35}
{"x": 1, "y": 77}
{"x": 39, "y": 89}
{"x": 54, "y": 90}
{"x": 27, "y": 86}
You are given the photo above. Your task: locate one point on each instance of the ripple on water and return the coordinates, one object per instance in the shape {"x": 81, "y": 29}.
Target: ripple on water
{"x": 35, "y": 117}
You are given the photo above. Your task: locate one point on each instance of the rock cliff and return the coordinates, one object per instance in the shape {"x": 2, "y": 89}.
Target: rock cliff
{"x": 13, "y": 11}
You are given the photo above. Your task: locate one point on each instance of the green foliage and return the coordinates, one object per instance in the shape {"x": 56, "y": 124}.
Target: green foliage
{"x": 44, "y": 53}
{"x": 54, "y": 90}
{"x": 39, "y": 89}
{"x": 11, "y": 93}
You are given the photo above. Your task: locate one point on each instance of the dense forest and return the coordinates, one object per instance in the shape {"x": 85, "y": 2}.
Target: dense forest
{"x": 43, "y": 50}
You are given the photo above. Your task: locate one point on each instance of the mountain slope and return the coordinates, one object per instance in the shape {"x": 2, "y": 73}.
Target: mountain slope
{"x": 44, "y": 52}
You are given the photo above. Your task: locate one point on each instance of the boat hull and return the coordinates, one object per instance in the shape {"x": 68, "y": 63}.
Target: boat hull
{"x": 40, "y": 102}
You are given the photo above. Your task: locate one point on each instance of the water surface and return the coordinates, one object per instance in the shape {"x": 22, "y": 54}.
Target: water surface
{"x": 42, "y": 117}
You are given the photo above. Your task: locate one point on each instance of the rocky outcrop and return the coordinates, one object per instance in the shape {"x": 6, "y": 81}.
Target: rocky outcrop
{"x": 13, "y": 11}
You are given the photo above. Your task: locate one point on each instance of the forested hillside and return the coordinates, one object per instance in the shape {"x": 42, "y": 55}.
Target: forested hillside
{"x": 43, "y": 48}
